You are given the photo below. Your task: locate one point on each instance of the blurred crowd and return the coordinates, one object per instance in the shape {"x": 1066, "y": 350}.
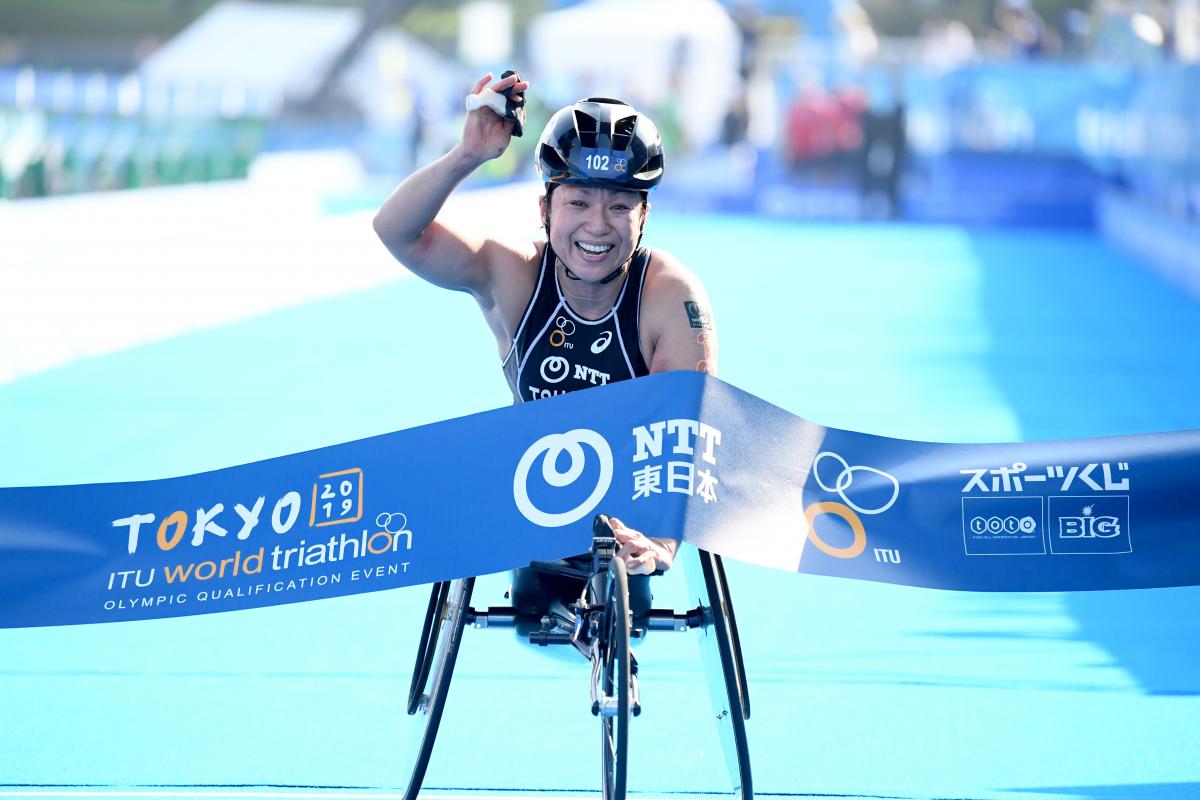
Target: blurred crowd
{"x": 771, "y": 92}
{"x": 1124, "y": 31}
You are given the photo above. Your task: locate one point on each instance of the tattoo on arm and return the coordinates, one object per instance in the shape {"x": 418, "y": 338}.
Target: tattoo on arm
{"x": 706, "y": 363}
{"x": 697, "y": 316}
{"x": 700, "y": 319}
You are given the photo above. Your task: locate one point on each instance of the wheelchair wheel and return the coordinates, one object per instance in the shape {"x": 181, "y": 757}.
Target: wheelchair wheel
{"x": 734, "y": 641}
{"x": 614, "y": 686}
{"x": 448, "y": 623}
{"x": 428, "y": 643}
{"x": 723, "y": 669}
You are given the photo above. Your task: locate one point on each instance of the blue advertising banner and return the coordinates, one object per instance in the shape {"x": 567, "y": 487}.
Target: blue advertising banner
{"x": 680, "y": 455}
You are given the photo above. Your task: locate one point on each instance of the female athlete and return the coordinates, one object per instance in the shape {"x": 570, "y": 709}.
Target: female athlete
{"x": 589, "y": 305}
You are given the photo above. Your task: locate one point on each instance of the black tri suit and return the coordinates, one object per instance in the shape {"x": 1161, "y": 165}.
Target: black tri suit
{"x": 556, "y": 351}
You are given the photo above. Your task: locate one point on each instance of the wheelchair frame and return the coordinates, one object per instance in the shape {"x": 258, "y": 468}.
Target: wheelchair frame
{"x": 600, "y": 625}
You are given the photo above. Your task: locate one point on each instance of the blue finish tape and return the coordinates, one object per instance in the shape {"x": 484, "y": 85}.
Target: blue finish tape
{"x": 680, "y": 455}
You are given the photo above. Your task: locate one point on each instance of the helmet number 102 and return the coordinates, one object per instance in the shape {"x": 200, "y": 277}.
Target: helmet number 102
{"x": 597, "y": 162}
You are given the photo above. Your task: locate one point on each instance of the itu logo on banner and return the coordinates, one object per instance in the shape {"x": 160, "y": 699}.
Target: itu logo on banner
{"x": 1090, "y": 525}
{"x": 592, "y": 467}
{"x": 874, "y": 492}
{"x": 845, "y": 481}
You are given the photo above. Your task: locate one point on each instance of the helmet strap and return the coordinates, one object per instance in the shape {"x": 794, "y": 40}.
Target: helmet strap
{"x": 609, "y": 278}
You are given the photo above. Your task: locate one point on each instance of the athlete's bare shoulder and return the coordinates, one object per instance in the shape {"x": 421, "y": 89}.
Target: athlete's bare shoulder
{"x": 512, "y": 265}
{"x": 669, "y": 283}
{"x": 676, "y": 320}
{"x": 665, "y": 270}
{"x": 513, "y": 272}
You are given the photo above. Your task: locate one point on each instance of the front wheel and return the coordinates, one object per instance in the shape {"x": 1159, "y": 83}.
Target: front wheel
{"x": 720, "y": 652}
{"x": 427, "y": 647}
{"x": 448, "y": 613}
{"x": 615, "y": 687}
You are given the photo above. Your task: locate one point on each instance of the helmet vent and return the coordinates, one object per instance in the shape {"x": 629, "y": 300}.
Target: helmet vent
{"x": 588, "y": 128}
{"x": 623, "y": 132}
{"x": 652, "y": 170}
{"x": 552, "y": 163}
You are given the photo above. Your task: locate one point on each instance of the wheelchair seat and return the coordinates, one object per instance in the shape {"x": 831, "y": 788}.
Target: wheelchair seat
{"x": 536, "y": 587}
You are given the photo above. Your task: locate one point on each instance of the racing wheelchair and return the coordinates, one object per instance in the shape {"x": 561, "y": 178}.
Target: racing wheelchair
{"x": 600, "y": 625}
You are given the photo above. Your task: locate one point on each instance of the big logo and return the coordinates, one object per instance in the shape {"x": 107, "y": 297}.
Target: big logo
{"x": 1090, "y": 525}
{"x": 550, "y": 448}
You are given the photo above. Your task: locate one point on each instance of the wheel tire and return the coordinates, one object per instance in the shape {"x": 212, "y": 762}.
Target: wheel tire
{"x": 732, "y": 670}
{"x": 734, "y": 640}
{"x": 427, "y": 646}
{"x": 614, "y": 681}
{"x": 452, "y": 621}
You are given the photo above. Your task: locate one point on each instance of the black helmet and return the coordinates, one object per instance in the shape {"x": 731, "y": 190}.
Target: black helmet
{"x": 601, "y": 142}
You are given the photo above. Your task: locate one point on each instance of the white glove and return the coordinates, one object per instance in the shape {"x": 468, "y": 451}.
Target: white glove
{"x": 488, "y": 99}
{"x": 502, "y": 103}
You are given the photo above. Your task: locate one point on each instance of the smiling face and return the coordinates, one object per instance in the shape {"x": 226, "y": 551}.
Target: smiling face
{"x": 593, "y": 231}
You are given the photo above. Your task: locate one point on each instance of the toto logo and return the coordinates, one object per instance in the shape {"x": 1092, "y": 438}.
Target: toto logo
{"x": 1000, "y": 525}
{"x": 845, "y": 479}
{"x": 550, "y": 448}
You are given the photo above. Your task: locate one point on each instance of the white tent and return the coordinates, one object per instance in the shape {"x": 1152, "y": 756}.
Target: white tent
{"x": 268, "y": 51}
{"x": 648, "y": 52}
{"x": 271, "y": 52}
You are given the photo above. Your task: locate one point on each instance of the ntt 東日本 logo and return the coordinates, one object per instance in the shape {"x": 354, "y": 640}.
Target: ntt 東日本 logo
{"x": 550, "y": 449}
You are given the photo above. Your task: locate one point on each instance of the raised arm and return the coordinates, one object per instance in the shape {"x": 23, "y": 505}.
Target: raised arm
{"x": 407, "y": 222}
